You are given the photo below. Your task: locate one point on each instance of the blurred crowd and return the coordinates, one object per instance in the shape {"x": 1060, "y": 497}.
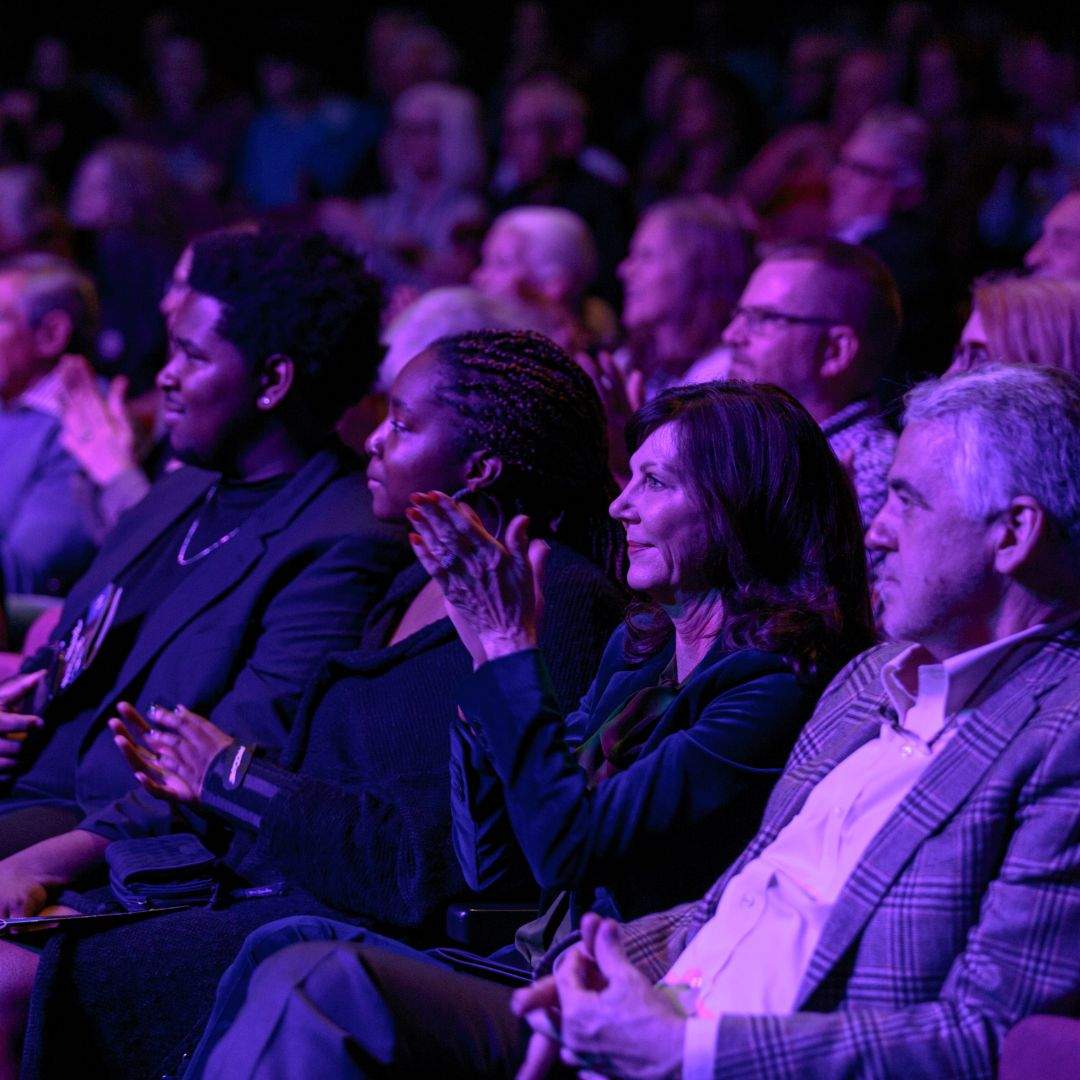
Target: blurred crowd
{"x": 939, "y": 141}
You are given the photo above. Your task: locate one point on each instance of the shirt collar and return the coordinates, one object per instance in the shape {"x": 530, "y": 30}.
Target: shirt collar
{"x": 957, "y": 682}
{"x": 850, "y": 414}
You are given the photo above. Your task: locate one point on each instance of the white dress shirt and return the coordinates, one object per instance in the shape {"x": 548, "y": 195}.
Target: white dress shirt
{"x": 750, "y": 957}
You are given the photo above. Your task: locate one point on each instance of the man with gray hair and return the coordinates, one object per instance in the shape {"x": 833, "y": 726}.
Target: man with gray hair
{"x": 544, "y": 257}
{"x": 47, "y": 308}
{"x": 912, "y": 892}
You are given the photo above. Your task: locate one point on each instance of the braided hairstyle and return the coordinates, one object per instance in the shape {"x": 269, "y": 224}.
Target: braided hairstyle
{"x": 523, "y": 398}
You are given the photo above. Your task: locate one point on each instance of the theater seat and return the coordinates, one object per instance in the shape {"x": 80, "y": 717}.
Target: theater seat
{"x": 1042, "y": 1047}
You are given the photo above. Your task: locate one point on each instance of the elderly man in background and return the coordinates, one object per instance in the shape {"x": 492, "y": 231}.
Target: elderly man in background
{"x": 821, "y": 320}
{"x": 911, "y": 893}
{"x": 544, "y": 257}
{"x": 47, "y": 308}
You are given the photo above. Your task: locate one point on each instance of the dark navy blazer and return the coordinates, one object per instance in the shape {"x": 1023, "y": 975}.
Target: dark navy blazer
{"x": 239, "y": 638}
{"x": 649, "y": 836}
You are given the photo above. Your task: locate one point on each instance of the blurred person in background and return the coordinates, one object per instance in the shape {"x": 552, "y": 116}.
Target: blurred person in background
{"x": 30, "y": 215}
{"x": 1022, "y": 321}
{"x": 191, "y": 119}
{"x": 303, "y": 142}
{"x": 543, "y": 138}
{"x": 713, "y": 125}
{"x": 426, "y": 229}
{"x": 544, "y": 257}
{"x": 1056, "y": 253}
{"x": 47, "y": 308}
{"x": 53, "y": 119}
{"x": 787, "y": 182}
{"x": 688, "y": 262}
{"x": 123, "y": 206}
{"x": 877, "y": 198}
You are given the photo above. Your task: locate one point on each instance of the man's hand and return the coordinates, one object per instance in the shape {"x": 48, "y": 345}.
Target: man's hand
{"x": 611, "y": 1020}
{"x": 15, "y": 726}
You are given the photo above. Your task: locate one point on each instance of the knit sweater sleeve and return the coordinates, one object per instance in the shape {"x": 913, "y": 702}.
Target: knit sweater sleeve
{"x": 379, "y": 848}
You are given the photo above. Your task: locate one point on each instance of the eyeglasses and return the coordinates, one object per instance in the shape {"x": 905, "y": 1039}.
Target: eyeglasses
{"x": 970, "y": 354}
{"x": 757, "y": 318}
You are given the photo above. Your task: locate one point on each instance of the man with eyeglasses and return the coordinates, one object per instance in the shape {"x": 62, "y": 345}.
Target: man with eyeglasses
{"x": 877, "y": 195}
{"x": 821, "y": 321}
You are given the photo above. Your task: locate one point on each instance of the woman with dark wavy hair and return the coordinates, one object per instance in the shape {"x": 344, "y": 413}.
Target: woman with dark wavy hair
{"x": 745, "y": 544}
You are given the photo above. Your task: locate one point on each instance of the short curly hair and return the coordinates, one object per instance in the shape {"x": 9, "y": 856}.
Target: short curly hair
{"x": 300, "y": 295}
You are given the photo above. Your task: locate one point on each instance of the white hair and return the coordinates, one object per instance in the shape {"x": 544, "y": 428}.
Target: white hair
{"x": 557, "y": 241}
{"x": 1018, "y": 433}
{"x": 454, "y": 309}
{"x": 462, "y": 157}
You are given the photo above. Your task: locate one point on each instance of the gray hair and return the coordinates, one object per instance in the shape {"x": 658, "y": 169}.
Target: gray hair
{"x": 1018, "y": 433}
{"x": 54, "y": 284}
{"x": 452, "y": 309}
{"x": 558, "y": 241}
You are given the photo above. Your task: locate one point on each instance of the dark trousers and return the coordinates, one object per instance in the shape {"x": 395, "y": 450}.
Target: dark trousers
{"x": 351, "y": 1009}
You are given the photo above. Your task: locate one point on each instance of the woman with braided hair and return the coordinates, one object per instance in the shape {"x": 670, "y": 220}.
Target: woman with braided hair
{"x": 353, "y": 819}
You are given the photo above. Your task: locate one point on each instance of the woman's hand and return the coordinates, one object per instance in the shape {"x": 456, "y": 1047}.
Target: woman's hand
{"x": 492, "y": 589}
{"x": 170, "y": 759}
{"x": 97, "y": 431}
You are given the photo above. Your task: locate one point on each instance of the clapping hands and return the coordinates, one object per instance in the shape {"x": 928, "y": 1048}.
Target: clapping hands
{"x": 492, "y": 588}
{"x": 170, "y": 759}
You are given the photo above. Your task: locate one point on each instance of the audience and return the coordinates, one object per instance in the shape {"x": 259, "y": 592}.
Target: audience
{"x": 911, "y": 892}
{"x": 47, "y": 538}
{"x": 215, "y": 394}
{"x": 354, "y": 815}
{"x": 622, "y": 803}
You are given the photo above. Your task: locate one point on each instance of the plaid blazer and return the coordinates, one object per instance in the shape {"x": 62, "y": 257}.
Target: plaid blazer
{"x": 963, "y": 914}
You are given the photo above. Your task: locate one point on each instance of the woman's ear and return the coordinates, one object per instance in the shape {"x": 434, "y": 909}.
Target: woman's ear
{"x": 482, "y": 469}
{"x": 275, "y": 381}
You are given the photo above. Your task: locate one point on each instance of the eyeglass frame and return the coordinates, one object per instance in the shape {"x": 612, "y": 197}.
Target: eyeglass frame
{"x": 758, "y": 317}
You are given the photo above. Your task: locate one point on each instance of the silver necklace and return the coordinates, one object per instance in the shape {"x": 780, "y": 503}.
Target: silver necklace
{"x": 182, "y": 558}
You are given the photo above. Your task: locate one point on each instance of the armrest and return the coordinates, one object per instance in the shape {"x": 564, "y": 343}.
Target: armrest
{"x": 485, "y": 927}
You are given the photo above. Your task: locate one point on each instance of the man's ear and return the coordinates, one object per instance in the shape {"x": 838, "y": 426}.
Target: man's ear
{"x": 52, "y": 335}
{"x": 1019, "y": 529}
{"x": 275, "y": 381}
{"x": 482, "y": 469}
{"x": 841, "y": 349}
